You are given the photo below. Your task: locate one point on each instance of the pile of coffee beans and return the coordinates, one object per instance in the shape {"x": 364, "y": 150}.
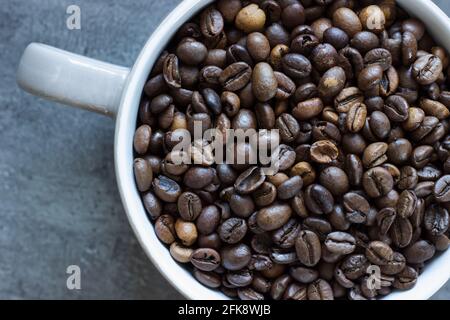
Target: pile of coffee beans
{"x": 360, "y": 95}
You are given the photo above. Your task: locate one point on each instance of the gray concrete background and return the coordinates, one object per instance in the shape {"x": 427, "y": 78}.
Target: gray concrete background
{"x": 59, "y": 204}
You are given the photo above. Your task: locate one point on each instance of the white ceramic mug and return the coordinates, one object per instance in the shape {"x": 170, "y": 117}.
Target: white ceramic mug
{"x": 115, "y": 91}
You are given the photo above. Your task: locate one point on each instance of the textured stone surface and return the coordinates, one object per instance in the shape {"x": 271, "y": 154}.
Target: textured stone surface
{"x": 59, "y": 203}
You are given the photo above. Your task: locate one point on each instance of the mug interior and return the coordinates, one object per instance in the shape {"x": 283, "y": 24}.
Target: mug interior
{"x": 437, "y": 272}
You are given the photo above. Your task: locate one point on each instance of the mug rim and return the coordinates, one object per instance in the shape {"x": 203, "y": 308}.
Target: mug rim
{"x": 436, "y": 273}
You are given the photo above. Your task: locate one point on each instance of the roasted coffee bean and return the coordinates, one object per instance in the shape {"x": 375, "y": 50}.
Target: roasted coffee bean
{"x": 396, "y": 108}
{"x": 436, "y": 220}
{"x": 264, "y": 82}
{"x": 235, "y": 257}
{"x": 318, "y": 199}
{"x": 379, "y": 253}
{"x": 427, "y": 69}
{"x": 143, "y": 174}
{"x": 406, "y": 204}
{"x": 375, "y": 154}
{"x": 354, "y": 266}
{"x": 406, "y": 279}
{"x": 347, "y": 20}
{"x": 336, "y": 37}
{"x": 385, "y": 219}
{"x": 357, "y": 208}
{"x": 290, "y": 188}
{"x": 250, "y": 180}
{"x": 307, "y": 246}
{"x": 189, "y": 206}
{"x": 286, "y": 87}
{"x": 142, "y": 139}
{"x": 241, "y": 205}
{"x": 324, "y": 152}
{"x": 232, "y": 230}
{"x": 296, "y": 65}
{"x": 180, "y": 253}
{"x": 377, "y": 182}
{"x": 419, "y": 252}
{"x": 308, "y": 109}
{"x": 335, "y": 180}
{"x": 166, "y": 189}
{"x": 356, "y": 118}
{"x": 401, "y": 232}
{"x": 325, "y": 57}
{"x": 354, "y": 169}
{"x": 399, "y": 151}
{"x": 442, "y": 189}
{"x": 250, "y": 18}
{"x": 165, "y": 229}
{"x": 288, "y": 127}
{"x": 421, "y": 156}
{"x": 320, "y": 290}
{"x": 340, "y": 243}
{"x": 235, "y": 76}
{"x": 332, "y": 82}
{"x": 205, "y": 259}
{"x": 380, "y": 57}
{"x": 273, "y": 217}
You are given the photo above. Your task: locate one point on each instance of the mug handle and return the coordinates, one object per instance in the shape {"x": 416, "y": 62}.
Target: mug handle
{"x": 72, "y": 79}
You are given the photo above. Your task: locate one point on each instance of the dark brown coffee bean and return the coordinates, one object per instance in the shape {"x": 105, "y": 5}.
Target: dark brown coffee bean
{"x": 286, "y": 87}
{"x": 249, "y": 294}
{"x": 264, "y": 82}
{"x": 377, "y": 182}
{"x": 340, "y": 243}
{"x": 165, "y": 229}
{"x": 354, "y": 266}
{"x": 142, "y": 139}
{"x": 385, "y": 219}
{"x": 380, "y": 57}
{"x": 308, "y": 109}
{"x": 308, "y": 248}
{"x": 205, "y": 259}
{"x": 396, "y": 108}
{"x": 332, "y": 82}
{"x": 401, "y": 232}
{"x": 365, "y": 41}
{"x": 379, "y": 253}
{"x": 235, "y": 257}
{"x": 242, "y": 206}
{"x": 235, "y": 76}
{"x": 406, "y": 279}
{"x": 303, "y": 275}
{"x": 296, "y": 65}
{"x": 427, "y": 69}
{"x": 290, "y": 188}
{"x": 273, "y": 217}
{"x": 325, "y": 57}
{"x": 436, "y": 220}
{"x": 442, "y": 189}
{"x": 318, "y": 199}
{"x": 189, "y": 206}
{"x": 354, "y": 169}
{"x": 209, "y": 279}
{"x": 288, "y": 127}
{"x": 232, "y": 230}
{"x": 172, "y": 72}
{"x": 419, "y": 252}
{"x": 375, "y": 155}
{"x": 335, "y": 180}
{"x": 347, "y": 20}
{"x": 320, "y": 290}
{"x": 250, "y": 180}
{"x": 208, "y": 219}
{"x": 356, "y": 118}
{"x": 211, "y": 22}
{"x": 406, "y": 204}
{"x": 336, "y": 37}
{"x": 357, "y": 208}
